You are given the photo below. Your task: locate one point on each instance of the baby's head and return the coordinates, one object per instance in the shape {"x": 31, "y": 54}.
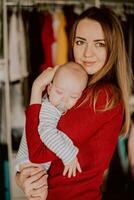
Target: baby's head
{"x": 68, "y": 84}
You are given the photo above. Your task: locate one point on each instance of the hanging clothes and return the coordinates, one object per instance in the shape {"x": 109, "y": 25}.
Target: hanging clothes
{"x": 47, "y": 36}
{"x": 62, "y": 40}
{"x": 34, "y": 21}
{"x": 55, "y": 29}
{"x": 22, "y": 47}
{"x": 17, "y": 48}
{"x": 2, "y": 71}
{"x": 17, "y": 114}
{"x": 71, "y": 16}
{"x": 1, "y": 105}
{"x": 17, "y": 108}
{"x": 1, "y": 31}
{"x": 3, "y": 135}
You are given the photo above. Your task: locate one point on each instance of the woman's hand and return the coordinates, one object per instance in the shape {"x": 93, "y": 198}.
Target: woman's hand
{"x": 32, "y": 179}
{"x": 40, "y": 84}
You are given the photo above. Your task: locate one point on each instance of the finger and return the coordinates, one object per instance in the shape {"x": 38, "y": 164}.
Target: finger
{"x": 31, "y": 170}
{"x": 31, "y": 190}
{"x": 74, "y": 170}
{"x": 24, "y": 175}
{"x": 56, "y": 67}
{"x": 40, "y": 182}
{"x": 29, "y": 164}
{"x": 79, "y": 167}
{"x": 37, "y": 170}
{"x": 38, "y": 192}
{"x": 37, "y": 177}
{"x": 65, "y": 170}
{"x": 70, "y": 172}
{"x": 34, "y": 198}
{"x": 34, "y": 182}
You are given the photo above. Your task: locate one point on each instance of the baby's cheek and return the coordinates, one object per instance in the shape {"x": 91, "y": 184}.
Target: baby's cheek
{"x": 72, "y": 103}
{"x": 54, "y": 101}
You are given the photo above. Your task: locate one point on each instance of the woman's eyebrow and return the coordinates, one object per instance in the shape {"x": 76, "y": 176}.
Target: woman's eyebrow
{"x": 97, "y": 40}
{"x": 100, "y": 40}
{"x": 77, "y": 37}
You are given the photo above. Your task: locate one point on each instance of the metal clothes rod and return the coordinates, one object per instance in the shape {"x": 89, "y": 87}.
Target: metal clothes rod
{"x": 117, "y": 3}
{"x": 39, "y": 2}
{"x": 120, "y": 7}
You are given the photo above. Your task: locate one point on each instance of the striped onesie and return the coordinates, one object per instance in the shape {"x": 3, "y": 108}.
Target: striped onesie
{"x": 57, "y": 141}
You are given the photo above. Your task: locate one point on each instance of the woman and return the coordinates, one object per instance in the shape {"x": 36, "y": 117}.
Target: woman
{"x": 97, "y": 119}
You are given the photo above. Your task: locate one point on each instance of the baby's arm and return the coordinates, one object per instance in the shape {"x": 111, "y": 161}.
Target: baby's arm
{"x": 22, "y": 155}
{"x": 56, "y": 140}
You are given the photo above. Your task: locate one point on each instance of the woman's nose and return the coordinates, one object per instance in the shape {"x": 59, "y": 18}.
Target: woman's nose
{"x": 88, "y": 52}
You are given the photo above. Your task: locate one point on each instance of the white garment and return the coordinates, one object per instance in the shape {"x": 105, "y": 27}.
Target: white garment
{"x": 17, "y": 48}
{"x": 17, "y": 108}
{"x": 22, "y": 47}
{"x": 55, "y": 28}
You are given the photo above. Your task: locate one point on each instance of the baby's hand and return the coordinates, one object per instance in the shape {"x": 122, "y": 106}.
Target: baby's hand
{"x": 71, "y": 168}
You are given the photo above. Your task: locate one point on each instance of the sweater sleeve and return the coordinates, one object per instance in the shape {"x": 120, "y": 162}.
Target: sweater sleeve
{"x": 39, "y": 151}
{"x": 56, "y": 140}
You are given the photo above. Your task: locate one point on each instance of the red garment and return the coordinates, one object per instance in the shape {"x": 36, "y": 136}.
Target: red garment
{"x": 94, "y": 133}
{"x": 47, "y": 36}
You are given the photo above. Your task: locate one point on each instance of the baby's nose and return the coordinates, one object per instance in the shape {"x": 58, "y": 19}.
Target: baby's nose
{"x": 64, "y": 99}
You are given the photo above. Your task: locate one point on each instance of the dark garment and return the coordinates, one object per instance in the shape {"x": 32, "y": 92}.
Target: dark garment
{"x": 120, "y": 184}
{"x": 35, "y": 43}
{"x": 71, "y": 17}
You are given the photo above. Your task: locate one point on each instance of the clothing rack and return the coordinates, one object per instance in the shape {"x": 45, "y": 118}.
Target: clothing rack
{"x": 47, "y": 4}
{"x": 126, "y": 7}
{"x": 41, "y": 2}
{"x": 119, "y": 7}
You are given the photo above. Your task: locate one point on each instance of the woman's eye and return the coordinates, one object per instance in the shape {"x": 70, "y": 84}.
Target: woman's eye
{"x": 100, "y": 44}
{"x": 79, "y": 42}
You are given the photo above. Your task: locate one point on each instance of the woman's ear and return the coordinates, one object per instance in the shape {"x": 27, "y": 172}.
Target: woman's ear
{"x": 49, "y": 87}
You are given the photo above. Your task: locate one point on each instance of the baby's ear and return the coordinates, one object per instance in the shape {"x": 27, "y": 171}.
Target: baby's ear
{"x": 49, "y": 87}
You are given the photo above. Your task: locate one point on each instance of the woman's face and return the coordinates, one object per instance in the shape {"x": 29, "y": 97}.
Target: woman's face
{"x": 89, "y": 45}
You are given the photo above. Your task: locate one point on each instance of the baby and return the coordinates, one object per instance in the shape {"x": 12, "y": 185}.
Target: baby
{"x": 63, "y": 92}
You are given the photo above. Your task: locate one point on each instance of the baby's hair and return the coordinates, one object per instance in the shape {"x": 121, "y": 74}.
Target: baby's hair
{"x": 75, "y": 69}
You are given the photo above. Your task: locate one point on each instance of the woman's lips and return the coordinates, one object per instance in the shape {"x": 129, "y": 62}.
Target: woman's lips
{"x": 88, "y": 63}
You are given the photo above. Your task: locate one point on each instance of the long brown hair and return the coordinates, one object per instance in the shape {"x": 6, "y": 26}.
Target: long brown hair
{"x": 116, "y": 70}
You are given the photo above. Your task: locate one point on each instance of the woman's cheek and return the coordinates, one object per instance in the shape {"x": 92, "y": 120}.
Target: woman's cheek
{"x": 78, "y": 52}
{"x": 75, "y": 53}
{"x": 76, "y": 58}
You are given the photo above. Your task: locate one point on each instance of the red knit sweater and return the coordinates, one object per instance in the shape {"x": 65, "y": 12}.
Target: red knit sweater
{"x": 94, "y": 133}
